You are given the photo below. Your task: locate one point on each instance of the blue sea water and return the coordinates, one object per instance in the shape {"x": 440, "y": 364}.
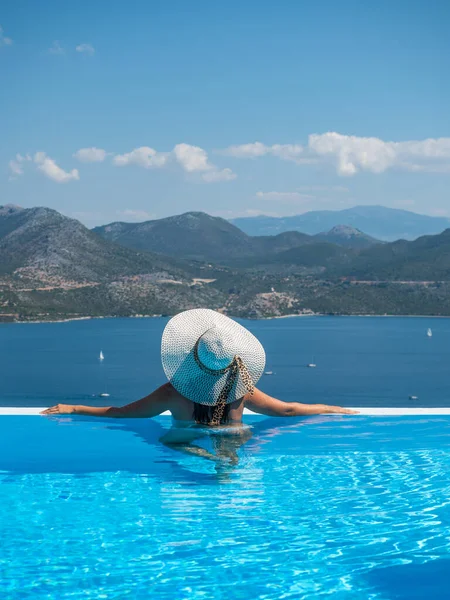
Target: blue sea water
{"x": 360, "y": 361}
{"x": 342, "y": 507}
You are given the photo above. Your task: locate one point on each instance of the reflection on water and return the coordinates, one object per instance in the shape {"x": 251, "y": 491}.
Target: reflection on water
{"x": 225, "y": 442}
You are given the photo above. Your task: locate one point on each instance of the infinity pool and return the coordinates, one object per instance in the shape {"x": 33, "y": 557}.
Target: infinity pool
{"x": 324, "y": 507}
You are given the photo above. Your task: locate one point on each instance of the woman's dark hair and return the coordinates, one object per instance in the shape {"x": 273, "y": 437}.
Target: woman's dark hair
{"x": 203, "y": 414}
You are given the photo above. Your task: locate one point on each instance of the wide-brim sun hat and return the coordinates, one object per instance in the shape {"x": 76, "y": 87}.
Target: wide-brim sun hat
{"x": 208, "y": 357}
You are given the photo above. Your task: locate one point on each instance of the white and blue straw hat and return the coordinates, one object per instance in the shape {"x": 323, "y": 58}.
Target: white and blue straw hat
{"x": 208, "y": 357}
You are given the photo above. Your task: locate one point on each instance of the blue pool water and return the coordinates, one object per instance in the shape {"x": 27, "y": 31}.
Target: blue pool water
{"x": 350, "y": 508}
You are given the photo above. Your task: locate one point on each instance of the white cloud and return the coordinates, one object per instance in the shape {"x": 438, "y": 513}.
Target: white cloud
{"x": 290, "y": 152}
{"x": 16, "y": 165}
{"x": 90, "y": 155}
{"x": 45, "y": 164}
{"x": 285, "y": 196}
{"x": 85, "y": 49}
{"x": 219, "y": 175}
{"x": 56, "y": 48}
{"x": 192, "y": 158}
{"x": 143, "y": 157}
{"x": 4, "y": 41}
{"x": 253, "y": 150}
{"x": 352, "y": 154}
{"x": 51, "y": 170}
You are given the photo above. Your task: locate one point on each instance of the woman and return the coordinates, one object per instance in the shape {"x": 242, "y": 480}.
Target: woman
{"x": 212, "y": 365}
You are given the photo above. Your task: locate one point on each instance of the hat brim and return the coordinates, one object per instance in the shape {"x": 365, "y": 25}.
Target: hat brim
{"x": 178, "y": 340}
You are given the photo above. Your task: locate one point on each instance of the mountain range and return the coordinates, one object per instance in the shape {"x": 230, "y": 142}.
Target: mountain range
{"x": 380, "y": 222}
{"x": 53, "y": 267}
{"x": 42, "y": 244}
{"x": 424, "y": 259}
{"x": 199, "y": 236}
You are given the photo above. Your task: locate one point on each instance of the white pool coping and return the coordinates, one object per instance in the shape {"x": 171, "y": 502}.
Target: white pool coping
{"x": 367, "y": 410}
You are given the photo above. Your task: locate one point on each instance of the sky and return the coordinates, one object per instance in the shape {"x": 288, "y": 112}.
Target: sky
{"x": 128, "y": 111}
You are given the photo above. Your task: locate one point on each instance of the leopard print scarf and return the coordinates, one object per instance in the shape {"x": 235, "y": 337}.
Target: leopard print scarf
{"x": 235, "y": 368}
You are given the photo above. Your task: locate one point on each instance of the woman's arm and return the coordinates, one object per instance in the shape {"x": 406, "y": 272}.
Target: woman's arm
{"x": 263, "y": 404}
{"x": 152, "y": 405}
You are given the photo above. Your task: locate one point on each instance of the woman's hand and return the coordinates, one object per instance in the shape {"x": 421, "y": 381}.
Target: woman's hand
{"x": 154, "y": 404}
{"x": 343, "y": 411}
{"x": 60, "y": 409}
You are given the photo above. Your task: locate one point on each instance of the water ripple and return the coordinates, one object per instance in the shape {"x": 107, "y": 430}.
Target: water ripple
{"x": 278, "y": 526}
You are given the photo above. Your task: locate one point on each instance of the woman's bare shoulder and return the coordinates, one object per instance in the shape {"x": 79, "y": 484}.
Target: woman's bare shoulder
{"x": 181, "y": 407}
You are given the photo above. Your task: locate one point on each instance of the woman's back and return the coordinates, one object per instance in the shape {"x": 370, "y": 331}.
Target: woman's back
{"x": 183, "y": 409}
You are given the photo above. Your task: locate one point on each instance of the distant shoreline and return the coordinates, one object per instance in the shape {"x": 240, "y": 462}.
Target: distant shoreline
{"x": 68, "y": 319}
{"x": 365, "y": 316}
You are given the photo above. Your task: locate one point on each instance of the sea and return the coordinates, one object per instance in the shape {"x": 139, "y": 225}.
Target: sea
{"x": 360, "y": 361}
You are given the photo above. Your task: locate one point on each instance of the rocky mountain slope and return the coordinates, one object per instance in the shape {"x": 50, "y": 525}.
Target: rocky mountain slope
{"x": 54, "y": 267}
{"x": 194, "y": 235}
{"x": 346, "y": 236}
{"x": 43, "y": 245}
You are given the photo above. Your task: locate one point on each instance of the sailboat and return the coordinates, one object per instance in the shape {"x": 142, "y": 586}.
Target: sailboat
{"x": 429, "y": 332}
{"x": 312, "y": 364}
{"x": 101, "y": 359}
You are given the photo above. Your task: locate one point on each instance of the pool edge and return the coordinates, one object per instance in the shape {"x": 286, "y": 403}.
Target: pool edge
{"x": 366, "y": 411}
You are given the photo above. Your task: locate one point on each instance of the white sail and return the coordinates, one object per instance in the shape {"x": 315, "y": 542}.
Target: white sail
{"x": 103, "y": 372}
{"x": 312, "y": 364}
{"x": 429, "y": 332}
